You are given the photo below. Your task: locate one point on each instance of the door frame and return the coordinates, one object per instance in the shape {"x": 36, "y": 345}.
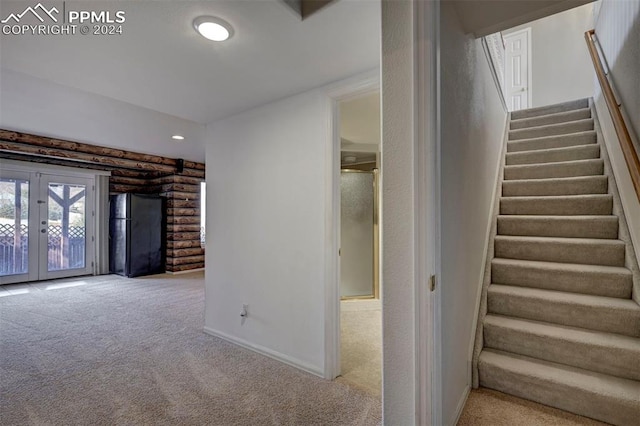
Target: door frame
{"x": 529, "y": 68}
{"x": 355, "y": 87}
{"x": 93, "y": 216}
{"x": 427, "y": 203}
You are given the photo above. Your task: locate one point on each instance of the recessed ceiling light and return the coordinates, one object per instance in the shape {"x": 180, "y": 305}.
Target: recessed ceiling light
{"x": 213, "y": 28}
{"x": 177, "y": 137}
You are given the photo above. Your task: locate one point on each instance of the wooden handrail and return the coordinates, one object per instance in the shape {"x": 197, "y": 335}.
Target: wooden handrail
{"x": 629, "y": 151}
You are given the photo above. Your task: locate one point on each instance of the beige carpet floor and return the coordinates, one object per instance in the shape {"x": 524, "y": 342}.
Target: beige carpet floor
{"x": 361, "y": 345}
{"x": 115, "y": 351}
{"x": 486, "y": 407}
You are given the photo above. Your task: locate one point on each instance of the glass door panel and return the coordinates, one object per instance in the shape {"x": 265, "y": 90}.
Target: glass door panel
{"x": 14, "y": 226}
{"x": 357, "y": 234}
{"x": 66, "y": 244}
{"x": 64, "y": 227}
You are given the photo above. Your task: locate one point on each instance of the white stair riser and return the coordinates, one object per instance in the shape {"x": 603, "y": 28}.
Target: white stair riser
{"x": 564, "y": 186}
{"x": 551, "y": 130}
{"x": 551, "y": 142}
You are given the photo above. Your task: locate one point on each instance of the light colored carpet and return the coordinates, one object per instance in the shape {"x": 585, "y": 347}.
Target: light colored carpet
{"x": 486, "y": 407}
{"x": 361, "y": 345}
{"x": 558, "y": 324}
{"x": 109, "y": 350}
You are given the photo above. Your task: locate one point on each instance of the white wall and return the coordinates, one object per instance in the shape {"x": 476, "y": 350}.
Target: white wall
{"x": 472, "y": 130}
{"x": 266, "y": 228}
{"x": 618, "y": 32}
{"x": 32, "y": 105}
{"x": 561, "y": 66}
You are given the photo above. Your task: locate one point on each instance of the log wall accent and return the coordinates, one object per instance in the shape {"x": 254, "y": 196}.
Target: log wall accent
{"x": 183, "y": 221}
{"x": 131, "y": 172}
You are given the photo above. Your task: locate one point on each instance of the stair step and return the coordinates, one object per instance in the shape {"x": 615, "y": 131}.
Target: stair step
{"x": 599, "y": 396}
{"x": 554, "y": 155}
{"x": 597, "y": 313}
{"x": 559, "y": 226}
{"x": 555, "y": 170}
{"x": 548, "y": 142}
{"x": 584, "y": 251}
{"x": 552, "y": 130}
{"x": 596, "y": 280}
{"x": 597, "y": 351}
{"x": 543, "y": 120}
{"x": 550, "y": 109}
{"x": 578, "y": 185}
{"x": 590, "y": 204}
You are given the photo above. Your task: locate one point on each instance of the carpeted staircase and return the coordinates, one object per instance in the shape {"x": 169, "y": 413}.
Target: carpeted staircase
{"x": 561, "y": 327}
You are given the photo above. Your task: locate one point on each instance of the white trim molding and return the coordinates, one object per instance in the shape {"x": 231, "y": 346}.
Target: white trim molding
{"x": 353, "y": 87}
{"x": 265, "y": 351}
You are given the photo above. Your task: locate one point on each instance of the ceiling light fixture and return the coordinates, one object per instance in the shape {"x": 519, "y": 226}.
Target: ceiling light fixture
{"x": 177, "y": 137}
{"x": 213, "y": 28}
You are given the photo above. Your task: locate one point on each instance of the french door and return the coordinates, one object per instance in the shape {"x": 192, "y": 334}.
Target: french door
{"x": 46, "y": 226}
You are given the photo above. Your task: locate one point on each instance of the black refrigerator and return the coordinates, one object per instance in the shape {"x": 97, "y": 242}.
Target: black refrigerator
{"x": 137, "y": 235}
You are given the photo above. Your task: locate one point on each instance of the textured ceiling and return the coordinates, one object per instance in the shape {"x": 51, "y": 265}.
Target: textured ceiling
{"x": 161, "y": 63}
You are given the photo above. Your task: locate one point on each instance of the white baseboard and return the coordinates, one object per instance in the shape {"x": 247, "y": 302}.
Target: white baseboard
{"x": 267, "y": 352}
{"x": 188, "y": 271}
{"x": 460, "y": 407}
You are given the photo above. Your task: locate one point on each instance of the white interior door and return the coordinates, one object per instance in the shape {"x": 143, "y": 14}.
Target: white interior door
{"x": 518, "y": 69}
{"x": 46, "y": 226}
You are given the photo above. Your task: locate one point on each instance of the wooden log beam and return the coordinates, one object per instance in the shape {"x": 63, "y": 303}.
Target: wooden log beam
{"x": 46, "y": 142}
{"x": 129, "y": 180}
{"x": 195, "y": 236}
{"x": 188, "y": 252}
{"x": 180, "y": 268}
{"x": 181, "y": 187}
{"x": 183, "y": 203}
{"x": 185, "y": 260}
{"x": 174, "y": 245}
{"x": 181, "y": 195}
{"x": 18, "y": 147}
{"x": 183, "y": 228}
{"x": 183, "y": 212}
{"x": 125, "y": 189}
{"x": 183, "y": 219}
{"x": 177, "y": 179}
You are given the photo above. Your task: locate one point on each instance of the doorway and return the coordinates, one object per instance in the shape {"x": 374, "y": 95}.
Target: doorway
{"x": 360, "y": 306}
{"x": 46, "y": 225}
{"x": 518, "y": 75}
